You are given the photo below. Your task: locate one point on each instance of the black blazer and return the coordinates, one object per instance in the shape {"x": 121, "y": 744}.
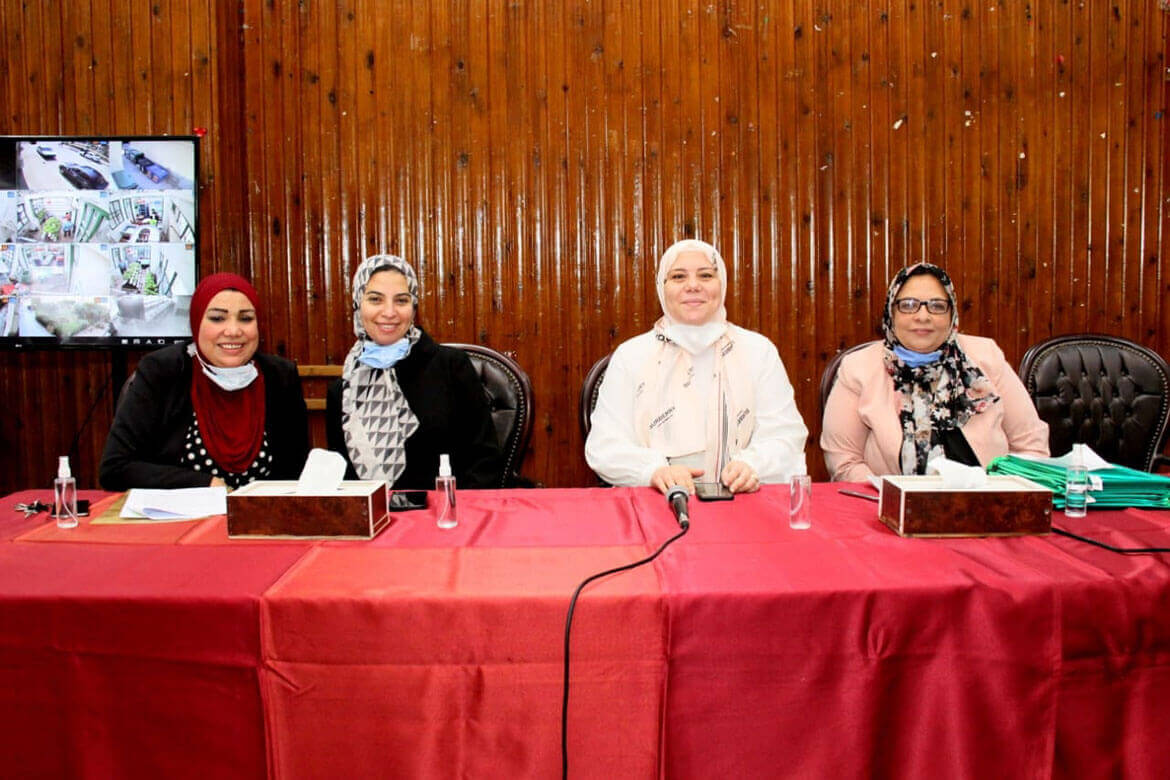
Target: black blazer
{"x": 145, "y": 445}
{"x": 451, "y": 404}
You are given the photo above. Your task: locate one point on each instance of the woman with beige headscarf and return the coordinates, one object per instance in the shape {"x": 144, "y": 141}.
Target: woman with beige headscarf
{"x": 696, "y": 398}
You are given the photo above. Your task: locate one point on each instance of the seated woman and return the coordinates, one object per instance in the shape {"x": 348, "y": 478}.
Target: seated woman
{"x": 925, "y": 391}
{"x": 402, "y": 399}
{"x": 696, "y": 398}
{"x": 211, "y": 412}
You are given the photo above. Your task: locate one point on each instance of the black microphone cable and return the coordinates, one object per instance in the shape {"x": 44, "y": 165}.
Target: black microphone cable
{"x": 1109, "y": 547}
{"x": 568, "y": 630}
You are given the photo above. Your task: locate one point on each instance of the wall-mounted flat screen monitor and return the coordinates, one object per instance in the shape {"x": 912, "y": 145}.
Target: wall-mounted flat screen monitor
{"x": 98, "y": 240}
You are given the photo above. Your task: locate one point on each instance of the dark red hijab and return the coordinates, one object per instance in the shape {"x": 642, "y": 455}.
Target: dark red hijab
{"x": 231, "y": 423}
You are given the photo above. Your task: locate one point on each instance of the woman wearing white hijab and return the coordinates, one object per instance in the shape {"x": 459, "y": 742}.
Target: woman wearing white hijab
{"x": 696, "y": 398}
{"x": 403, "y": 399}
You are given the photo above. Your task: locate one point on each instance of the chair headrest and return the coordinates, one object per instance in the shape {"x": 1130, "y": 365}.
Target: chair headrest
{"x": 1105, "y": 391}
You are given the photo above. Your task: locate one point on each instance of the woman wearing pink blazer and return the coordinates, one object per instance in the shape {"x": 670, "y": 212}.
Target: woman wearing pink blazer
{"x": 925, "y": 391}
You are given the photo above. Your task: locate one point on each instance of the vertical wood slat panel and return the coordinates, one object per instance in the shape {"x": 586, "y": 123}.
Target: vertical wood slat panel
{"x": 1163, "y": 231}
{"x": 294, "y": 229}
{"x": 68, "y": 69}
{"x": 1098, "y": 152}
{"x": 854, "y": 128}
{"x": 1012, "y": 93}
{"x": 12, "y": 71}
{"x": 1036, "y": 307}
{"x": 1026, "y": 136}
{"x": 879, "y": 118}
{"x": 1154, "y": 181}
{"x": 43, "y": 113}
{"x": 533, "y": 159}
{"x": 1139, "y": 116}
{"x": 546, "y": 38}
{"x": 1113, "y": 273}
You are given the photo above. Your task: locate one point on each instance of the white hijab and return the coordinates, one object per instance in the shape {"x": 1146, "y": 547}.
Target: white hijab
{"x": 667, "y": 403}
{"x": 692, "y": 338}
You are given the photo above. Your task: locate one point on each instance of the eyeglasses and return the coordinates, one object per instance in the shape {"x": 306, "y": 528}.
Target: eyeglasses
{"x": 913, "y": 305}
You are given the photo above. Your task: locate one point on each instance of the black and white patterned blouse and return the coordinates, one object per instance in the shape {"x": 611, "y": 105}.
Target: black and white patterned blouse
{"x": 196, "y": 456}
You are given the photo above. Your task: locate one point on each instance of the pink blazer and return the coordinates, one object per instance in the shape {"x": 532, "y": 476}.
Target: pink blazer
{"x": 862, "y": 435}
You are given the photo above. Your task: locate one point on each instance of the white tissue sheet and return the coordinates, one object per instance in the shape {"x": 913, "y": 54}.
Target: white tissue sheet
{"x": 957, "y": 475}
{"x": 323, "y": 472}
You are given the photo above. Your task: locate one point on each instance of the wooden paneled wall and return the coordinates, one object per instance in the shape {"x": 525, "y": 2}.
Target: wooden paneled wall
{"x": 533, "y": 159}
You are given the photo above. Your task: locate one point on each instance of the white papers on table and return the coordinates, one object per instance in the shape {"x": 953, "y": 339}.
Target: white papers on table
{"x": 1088, "y": 458}
{"x": 1081, "y": 454}
{"x": 180, "y": 504}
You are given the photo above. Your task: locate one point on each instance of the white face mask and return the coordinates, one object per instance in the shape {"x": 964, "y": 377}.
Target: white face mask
{"x": 230, "y": 379}
{"x": 695, "y": 338}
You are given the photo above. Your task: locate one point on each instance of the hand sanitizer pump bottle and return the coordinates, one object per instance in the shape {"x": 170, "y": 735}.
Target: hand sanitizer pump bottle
{"x": 65, "y": 495}
{"x": 1076, "y": 486}
{"x": 445, "y": 493}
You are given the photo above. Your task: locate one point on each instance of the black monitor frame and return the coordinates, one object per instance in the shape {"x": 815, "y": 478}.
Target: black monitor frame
{"x": 98, "y": 232}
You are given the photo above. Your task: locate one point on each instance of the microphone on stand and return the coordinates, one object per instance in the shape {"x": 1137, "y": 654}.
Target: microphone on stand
{"x": 677, "y": 497}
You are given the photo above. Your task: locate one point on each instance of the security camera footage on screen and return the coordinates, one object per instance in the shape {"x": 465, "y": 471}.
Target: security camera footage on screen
{"x": 97, "y": 240}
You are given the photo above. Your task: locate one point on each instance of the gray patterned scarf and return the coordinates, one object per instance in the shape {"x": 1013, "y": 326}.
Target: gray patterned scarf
{"x": 375, "y": 416}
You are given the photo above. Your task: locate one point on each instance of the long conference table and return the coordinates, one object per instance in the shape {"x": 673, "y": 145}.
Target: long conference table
{"x": 747, "y": 649}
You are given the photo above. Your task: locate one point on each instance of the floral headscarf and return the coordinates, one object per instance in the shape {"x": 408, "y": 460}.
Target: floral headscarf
{"x": 938, "y": 397}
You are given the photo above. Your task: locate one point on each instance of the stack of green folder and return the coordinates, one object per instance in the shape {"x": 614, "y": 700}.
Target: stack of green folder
{"x": 1120, "y": 486}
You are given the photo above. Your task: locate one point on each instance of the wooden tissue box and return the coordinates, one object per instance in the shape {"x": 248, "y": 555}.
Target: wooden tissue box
{"x": 1006, "y": 506}
{"x": 356, "y": 510}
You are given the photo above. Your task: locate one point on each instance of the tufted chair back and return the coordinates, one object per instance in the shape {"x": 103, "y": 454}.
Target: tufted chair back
{"x": 509, "y": 392}
{"x": 589, "y": 390}
{"x": 1104, "y": 391}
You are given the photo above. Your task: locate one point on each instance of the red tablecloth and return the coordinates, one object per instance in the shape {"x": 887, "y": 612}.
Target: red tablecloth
{"x": 131, "y": 660}
{"x": 747, "y": 649}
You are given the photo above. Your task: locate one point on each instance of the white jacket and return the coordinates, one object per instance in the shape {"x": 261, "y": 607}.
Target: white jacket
{"x": 776, "y": 449}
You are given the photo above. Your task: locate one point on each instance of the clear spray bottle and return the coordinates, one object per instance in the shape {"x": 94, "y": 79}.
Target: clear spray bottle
{"x": 65, "y": 495}
{"x": 445, "y": 493}
{"x": 1076, "y": 486}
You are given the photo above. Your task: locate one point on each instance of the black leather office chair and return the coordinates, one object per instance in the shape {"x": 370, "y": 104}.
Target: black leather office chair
{"x": 1104, "y": 391}
{"x": 509, "y": 392}
{"x": 589, "y": 390}
{"x": 829, "y": 376}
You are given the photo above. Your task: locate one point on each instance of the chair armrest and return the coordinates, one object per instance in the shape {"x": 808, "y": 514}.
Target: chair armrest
{"x": 1161, "y": 465}
{"x": 515, "y": 480}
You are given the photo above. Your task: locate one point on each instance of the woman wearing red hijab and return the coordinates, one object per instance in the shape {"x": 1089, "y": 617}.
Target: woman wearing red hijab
{"x": 212, "y": 412}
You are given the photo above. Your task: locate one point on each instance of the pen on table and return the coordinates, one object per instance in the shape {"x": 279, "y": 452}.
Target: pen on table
{"x": 856, "y": 494}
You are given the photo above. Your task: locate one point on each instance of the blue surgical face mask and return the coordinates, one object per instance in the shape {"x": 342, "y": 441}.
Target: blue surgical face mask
{"x": 916, "y": 359}
{"x": 384, "y": 356}
{"x": 230, "y": 379}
